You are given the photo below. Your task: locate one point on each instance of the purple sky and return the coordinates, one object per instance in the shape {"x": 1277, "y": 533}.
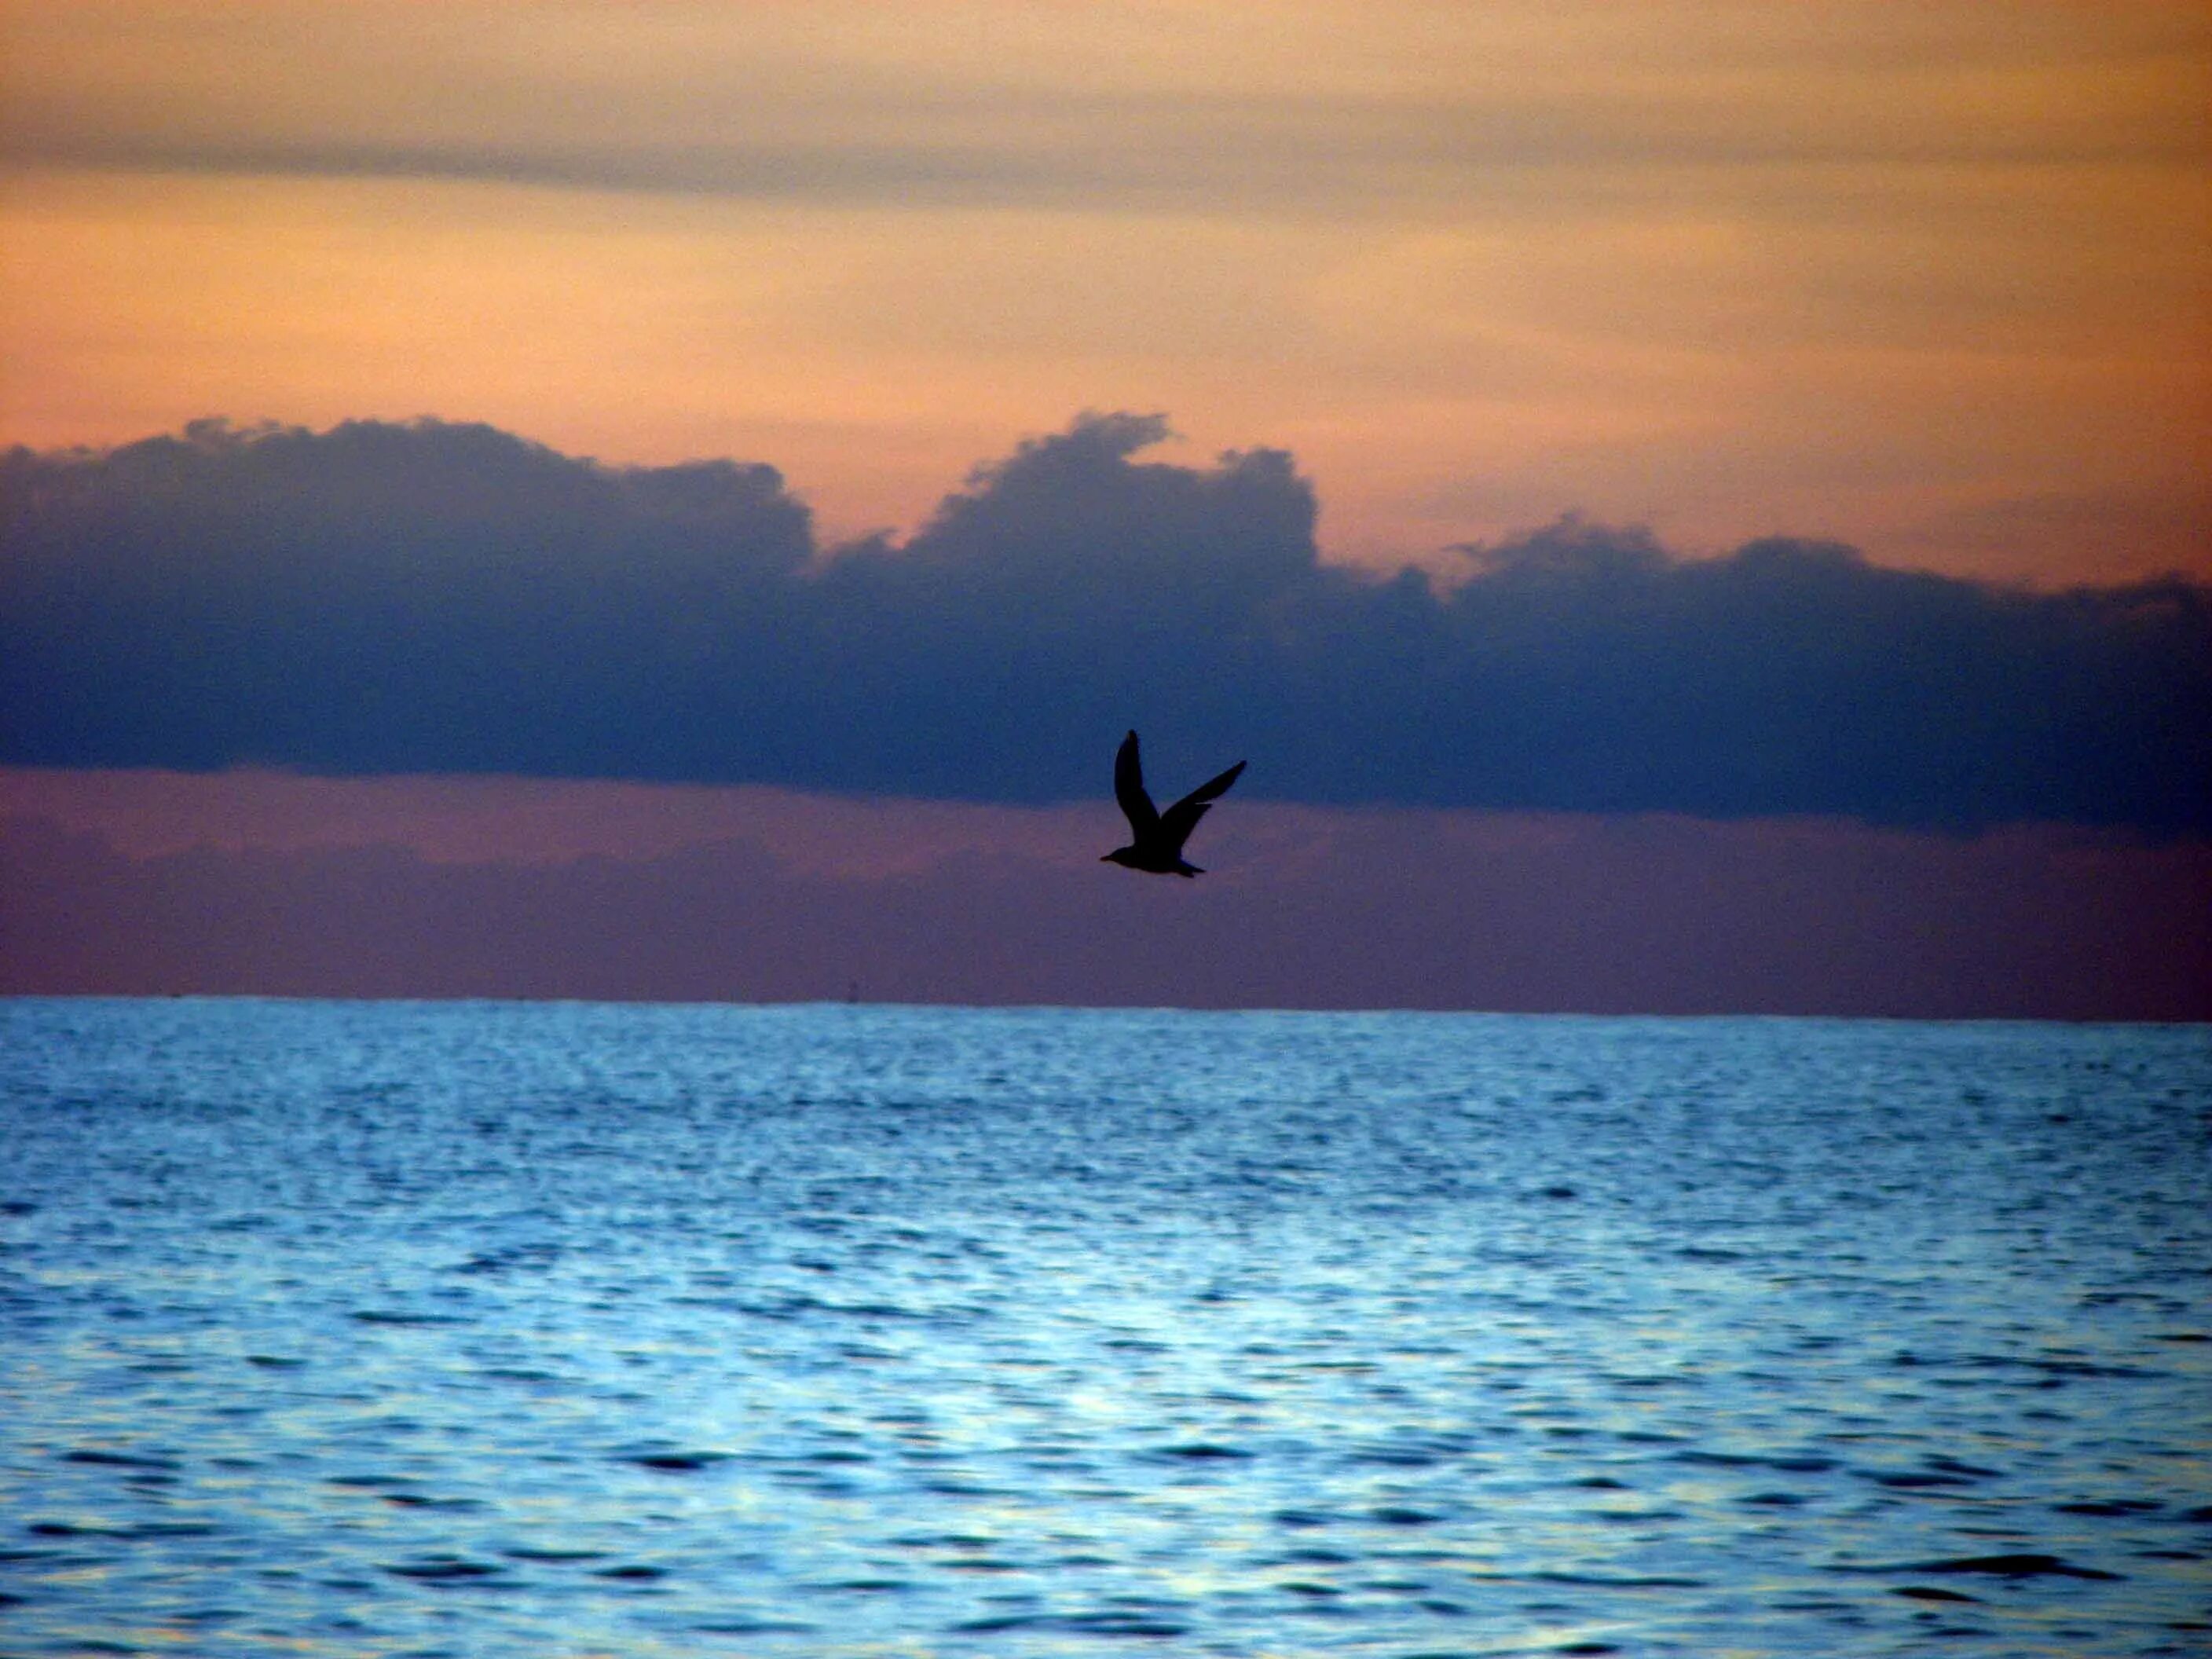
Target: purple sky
{"x": 148, "y": 883}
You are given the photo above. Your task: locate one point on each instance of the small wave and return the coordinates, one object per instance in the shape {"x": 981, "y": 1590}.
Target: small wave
{"x": 448, "y": 1570}
{"x": 387, "y": 1316}
{"x": 676, "y": 1462}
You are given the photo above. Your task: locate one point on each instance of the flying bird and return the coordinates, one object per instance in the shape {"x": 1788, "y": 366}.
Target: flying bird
{"x": 1155, "y": 838}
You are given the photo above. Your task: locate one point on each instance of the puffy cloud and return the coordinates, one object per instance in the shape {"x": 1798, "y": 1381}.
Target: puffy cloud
{"x": 433, "y": 598}
{"x": 374, "y": 596}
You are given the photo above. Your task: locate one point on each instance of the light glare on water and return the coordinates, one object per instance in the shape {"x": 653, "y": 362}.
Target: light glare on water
{"x": 568, "y": 1329}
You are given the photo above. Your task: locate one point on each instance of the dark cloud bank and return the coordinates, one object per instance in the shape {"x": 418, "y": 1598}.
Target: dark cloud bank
{"x": 436, "y": 598}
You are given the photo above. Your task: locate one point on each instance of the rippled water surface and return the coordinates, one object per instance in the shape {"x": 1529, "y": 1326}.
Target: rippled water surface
{"x": 560, "y": 1329}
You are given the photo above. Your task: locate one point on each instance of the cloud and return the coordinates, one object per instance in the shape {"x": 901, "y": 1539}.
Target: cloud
{"x": 1001, "y": 105}
{"x": 435, "y": 597}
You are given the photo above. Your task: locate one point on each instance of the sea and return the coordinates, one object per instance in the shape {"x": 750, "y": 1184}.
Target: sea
{"x": 562, "y": 1330}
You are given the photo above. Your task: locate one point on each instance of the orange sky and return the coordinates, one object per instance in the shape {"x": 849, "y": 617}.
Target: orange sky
{"x": 1934, "y": 279}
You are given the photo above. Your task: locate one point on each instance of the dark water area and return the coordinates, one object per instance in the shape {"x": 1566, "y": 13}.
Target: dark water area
{"x": 570, "y": 1329}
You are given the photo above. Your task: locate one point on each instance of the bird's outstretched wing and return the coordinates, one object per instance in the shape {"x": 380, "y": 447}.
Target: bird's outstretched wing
{"x": 1129, "y": 791}
{"x": 1179, "y": 820}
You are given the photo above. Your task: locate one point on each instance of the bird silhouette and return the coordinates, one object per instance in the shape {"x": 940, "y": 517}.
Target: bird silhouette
{"x": 1155, "y": 838}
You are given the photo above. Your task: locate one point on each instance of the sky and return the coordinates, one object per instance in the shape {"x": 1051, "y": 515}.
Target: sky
{"x": 1931, "y": 280}
{"x": 1709, "y": 498}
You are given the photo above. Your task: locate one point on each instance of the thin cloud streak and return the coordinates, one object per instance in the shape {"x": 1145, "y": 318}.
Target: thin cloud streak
{"x": 431, "y": 597}
{"x": 1190, "y": 107}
